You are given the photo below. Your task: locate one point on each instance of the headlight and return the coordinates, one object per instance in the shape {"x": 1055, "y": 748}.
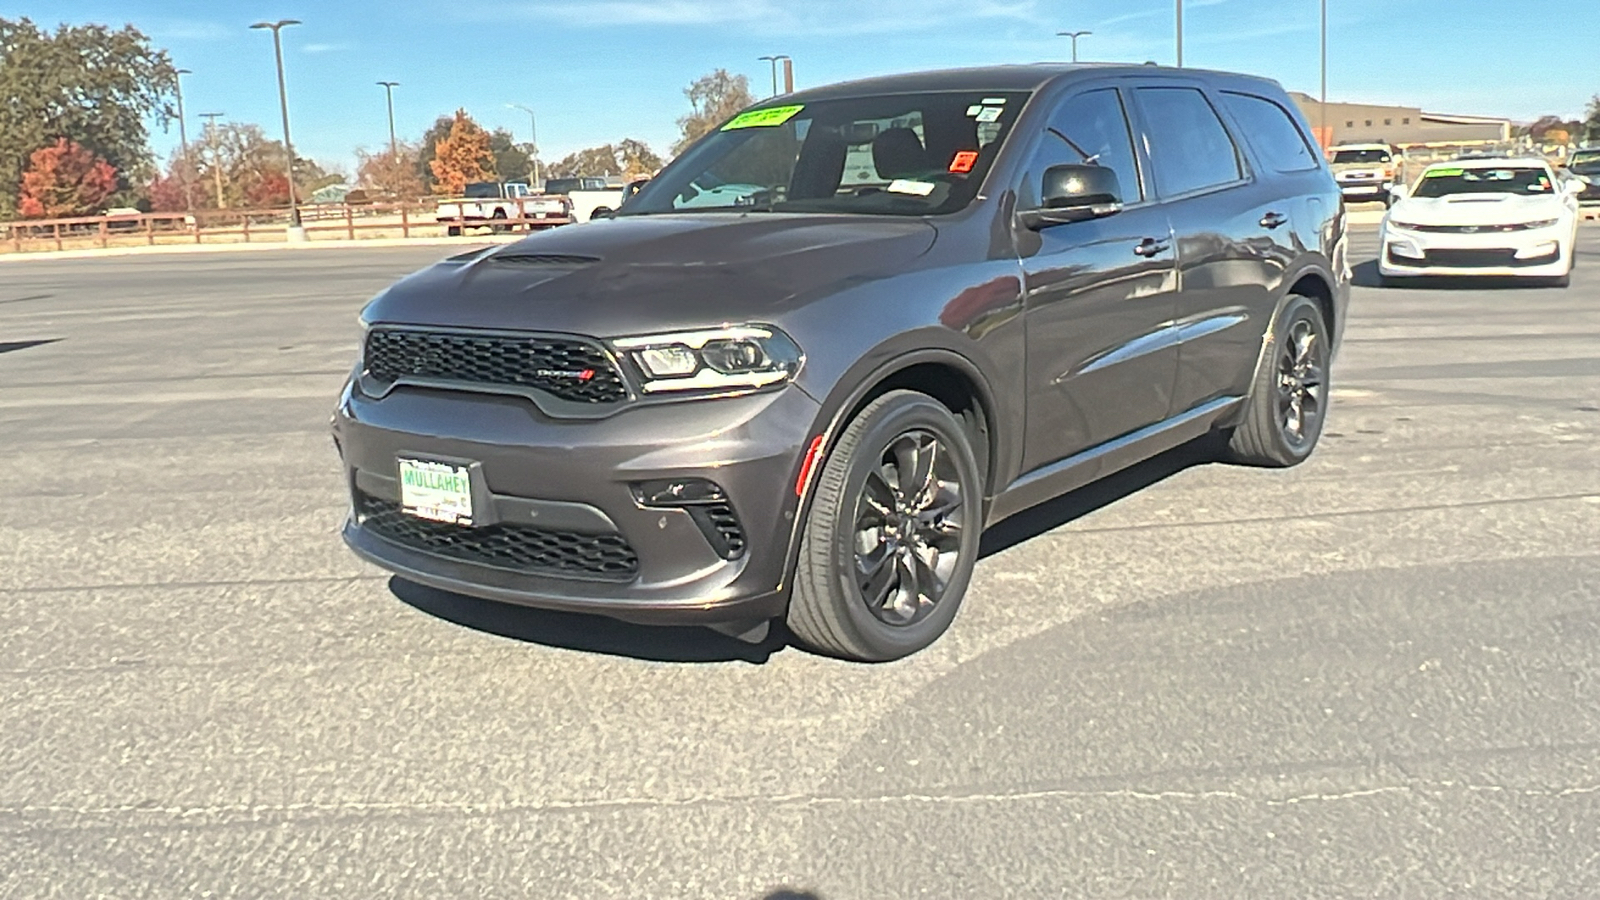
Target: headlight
{"x": 1542, "y": 223}
{"x": 1403, "y": 226}
{"x": 715, "y": 359}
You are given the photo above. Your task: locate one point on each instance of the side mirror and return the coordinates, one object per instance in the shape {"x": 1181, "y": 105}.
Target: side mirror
{"x": 1075, "y": 193}
{"x": 1399, "y": 192}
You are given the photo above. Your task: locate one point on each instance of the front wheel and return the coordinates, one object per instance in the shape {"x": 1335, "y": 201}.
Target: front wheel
{"x": 892, "y": 537}
{"x": 1289, "y": 400}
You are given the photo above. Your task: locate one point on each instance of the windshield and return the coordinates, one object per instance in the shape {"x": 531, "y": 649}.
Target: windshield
{"x": 1584, "y": 163}
{"x": 1360, "y": 157}
{"x": 483, "y": 190}
{"x": 1444, "y": 182}
{"x": 901, "y": 154}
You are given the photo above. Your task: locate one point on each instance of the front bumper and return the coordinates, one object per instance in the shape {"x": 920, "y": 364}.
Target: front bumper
{"x": 570, "y": 484}
{"x": 1493, "y": 255}
{"x": 1377, "y": 189}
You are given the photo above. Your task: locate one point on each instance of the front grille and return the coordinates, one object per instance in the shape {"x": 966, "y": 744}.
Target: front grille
{"x": 1479, "y": 259}
{"x": 563, "y": 367}
{"x": 543, "y": 259}
{"x": 518, "y": 548}
{"x": 1469, "y": 229}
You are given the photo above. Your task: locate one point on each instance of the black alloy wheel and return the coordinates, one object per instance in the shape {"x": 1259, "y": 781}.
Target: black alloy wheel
{"x": 1288, "y": 402}
{"x": 1302, "y": 387}
{"x": 890, "y": 541}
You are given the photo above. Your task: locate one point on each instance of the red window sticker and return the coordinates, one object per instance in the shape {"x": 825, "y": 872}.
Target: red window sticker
{"x": 964, "y": 161}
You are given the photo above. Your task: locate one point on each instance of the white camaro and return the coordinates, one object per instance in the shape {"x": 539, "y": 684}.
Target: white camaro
{"x": 1495, "y": 217}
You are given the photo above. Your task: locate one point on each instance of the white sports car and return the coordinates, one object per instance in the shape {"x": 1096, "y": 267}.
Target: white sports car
{"x": 1495, "y": 217}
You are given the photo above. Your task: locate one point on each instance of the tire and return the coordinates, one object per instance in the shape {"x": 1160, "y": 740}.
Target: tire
{"x": 1562, "y": 281}
{"x": 497, "y": 222}
{"x": 847, "y": 605}
{"x": 1295, "y": 377}
{"x": 453, "y": 230}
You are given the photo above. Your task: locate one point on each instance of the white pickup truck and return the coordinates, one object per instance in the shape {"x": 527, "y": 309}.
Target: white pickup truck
{"x": 589, "y": 195}
{"x": 502, "y": 207}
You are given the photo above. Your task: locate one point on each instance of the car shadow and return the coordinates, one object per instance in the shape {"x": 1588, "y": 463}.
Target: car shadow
{"x": 8, "y": 346}
{"x": 1366, "y": 275}
{"x": 685, "y": 644}
{"x": 1054, "y": 513}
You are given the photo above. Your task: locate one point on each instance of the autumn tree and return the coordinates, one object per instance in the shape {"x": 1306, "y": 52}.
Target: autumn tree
{"x": 1591, "y": 119}
{"x": 391, "y": 173}
{"x": 631, "y": 159}
{"x": 713, "y": 99}
{"x": 65, "y": 179}
{"x": 462, "y": 157}
{"x": 96, "y": 86}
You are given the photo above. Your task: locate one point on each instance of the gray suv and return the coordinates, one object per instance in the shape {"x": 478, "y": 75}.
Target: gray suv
{"x": 802, "y": 369}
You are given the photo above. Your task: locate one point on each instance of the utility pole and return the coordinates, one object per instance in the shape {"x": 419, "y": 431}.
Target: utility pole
{"x": 1180, "y": 34}
{"x": 774, "y": 61}
{"x": 183, "y": 142}
{"x": 533, "y": 134}
{"x": 1074, "y": 35}
{"x": 295, "y": 230}
{"x": 216, "y": 154}
{"x": 388, "y": 89}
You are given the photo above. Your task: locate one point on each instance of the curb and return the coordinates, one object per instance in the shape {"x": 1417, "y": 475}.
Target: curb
{"x": 171, "y": 249}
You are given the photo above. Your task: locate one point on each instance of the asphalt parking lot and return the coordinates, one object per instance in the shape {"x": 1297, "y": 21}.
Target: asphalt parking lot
{"x": 1374, "y": 675}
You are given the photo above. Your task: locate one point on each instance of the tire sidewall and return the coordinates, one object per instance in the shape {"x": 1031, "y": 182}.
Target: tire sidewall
{"x": 1298, "y": 308}
{"x": 906, "y": 412}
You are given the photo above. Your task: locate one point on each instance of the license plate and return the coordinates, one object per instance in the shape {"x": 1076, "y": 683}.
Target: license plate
{"x": 437, "y": 491}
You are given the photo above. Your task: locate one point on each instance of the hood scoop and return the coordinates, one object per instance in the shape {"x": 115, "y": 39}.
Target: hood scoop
{"x": 542, "y": 259}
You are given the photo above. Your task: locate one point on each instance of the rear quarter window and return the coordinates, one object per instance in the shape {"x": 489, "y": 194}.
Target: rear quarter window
{"x": 1272, "y": 132}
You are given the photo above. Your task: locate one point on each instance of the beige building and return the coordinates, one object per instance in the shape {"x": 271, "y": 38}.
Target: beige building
{"x": 1405, "y": 126}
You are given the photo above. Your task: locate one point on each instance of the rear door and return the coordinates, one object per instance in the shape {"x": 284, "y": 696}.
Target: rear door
{"x": 1101, "y": 355}
{"x": 1233, "y": 230}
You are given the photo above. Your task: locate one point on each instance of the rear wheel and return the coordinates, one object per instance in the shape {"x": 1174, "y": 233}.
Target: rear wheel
{"x": 1289, "y": 400}
{"x": 453, "y": 230}
{"x": 892, "y": 537}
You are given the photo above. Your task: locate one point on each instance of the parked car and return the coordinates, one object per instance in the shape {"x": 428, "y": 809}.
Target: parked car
{"x": 765, "y": 391}
{"x": 1365, "y": 172}
{"x": 590, "y": 196}
{"x": 492, "y": 204}
{"x": 1585, "y": 165}
{"x": 1483, "y": 217}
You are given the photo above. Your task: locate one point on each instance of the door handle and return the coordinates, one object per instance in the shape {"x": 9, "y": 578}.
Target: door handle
{"x": 1274, "y": 220}
{"x": 1151, "y": 247}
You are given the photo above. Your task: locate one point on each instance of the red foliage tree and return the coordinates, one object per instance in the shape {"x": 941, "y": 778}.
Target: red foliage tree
{"x": 167, "y": 193}
{"x": 271, "y": 190}
{"x": 65, "y": 179}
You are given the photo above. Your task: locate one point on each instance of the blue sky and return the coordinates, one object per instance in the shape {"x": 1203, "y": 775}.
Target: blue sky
{"x": 596, "y": 71}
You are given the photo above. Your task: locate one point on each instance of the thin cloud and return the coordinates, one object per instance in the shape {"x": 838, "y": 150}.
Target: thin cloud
{"x": 820, "y": 17}
{"x": 323, "y": 48}
{"x": 189, "y": 30}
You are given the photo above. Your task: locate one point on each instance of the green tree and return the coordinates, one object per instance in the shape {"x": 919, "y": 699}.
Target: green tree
{"x": 631, "y": 159}
{"x": 511, "y": 159}
{"x": 1591, "y": 119}
{"x": 429, "y": 147}
{"x": 88, "y": 83}
{"x": 713, "y": 98}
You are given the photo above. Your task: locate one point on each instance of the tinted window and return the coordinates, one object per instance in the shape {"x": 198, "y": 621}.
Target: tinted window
{"x": 1444, "y": 181}
{"x": 1272, "y": 131}
{"x": 1188, "y": 145}
{"x": 1095, "y": 127}
{"x": 1362, "y": 157}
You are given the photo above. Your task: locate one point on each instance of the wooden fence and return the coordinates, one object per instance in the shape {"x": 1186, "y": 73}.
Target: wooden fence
{"x": 321, "y": 222}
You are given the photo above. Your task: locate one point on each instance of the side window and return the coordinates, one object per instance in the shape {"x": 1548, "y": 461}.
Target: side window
{"x": 1096, "y": 125}
{"x": 1272, "y": 131}
{"x": 1188, "y": 145}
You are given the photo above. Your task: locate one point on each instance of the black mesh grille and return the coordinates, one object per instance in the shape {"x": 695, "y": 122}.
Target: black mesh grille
{"x": 570, "y": 369}
{"x": 519, "y": 548}
{"x": 543, "y": 259}
{"x": 1475, "y": 258}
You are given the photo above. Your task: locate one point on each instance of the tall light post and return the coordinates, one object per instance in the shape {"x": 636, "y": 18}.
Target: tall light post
{"x": 388, "y": 89}
{"x": 216, "y": 154}
{"x": 1326, "y": 134}
{"x": 295, "y": 230}
{"x": 183, "y": 141}
{"x": 774, "y": 60}
{"x": 1074, "y": 35}
{"x": 533, "y": 134}
{"x": 1180, "y": 34}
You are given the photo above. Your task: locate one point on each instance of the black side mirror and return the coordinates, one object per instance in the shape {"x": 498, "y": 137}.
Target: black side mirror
{"x": 1075, "y": 193}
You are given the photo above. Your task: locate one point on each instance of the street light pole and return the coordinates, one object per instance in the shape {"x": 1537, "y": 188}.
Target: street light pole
{"x": 183, "y": 142}
{"x": 1074, "y": 35}
{"x": 216, "y": 154}
{"x": 1180, "y": 34}
{"x": 774, "y": 60}
{"x": 533, "y": 134}
{"x": 1326, "y": 135}
{"x": 283, "y": 104}
{"x": 388, "y": 89}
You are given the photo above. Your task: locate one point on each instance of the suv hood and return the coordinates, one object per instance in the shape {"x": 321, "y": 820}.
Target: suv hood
{"x": 1476, "y": 209}
{"x": 635, "y": 275}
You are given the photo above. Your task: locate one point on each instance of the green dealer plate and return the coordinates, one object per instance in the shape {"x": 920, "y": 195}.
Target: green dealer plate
{"x": 437, "y": 491}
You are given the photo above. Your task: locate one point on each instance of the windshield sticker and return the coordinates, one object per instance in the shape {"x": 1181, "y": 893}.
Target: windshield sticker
{"x": 906, "y": 186}
{"x": 973, "y": 110}
{"x": 770, "y": 117}
{"x": 964, "y": 161}
{"x": 994, "y": 101}
{"x": 990, "y": 114}
{"x": 1445, "y": 173}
